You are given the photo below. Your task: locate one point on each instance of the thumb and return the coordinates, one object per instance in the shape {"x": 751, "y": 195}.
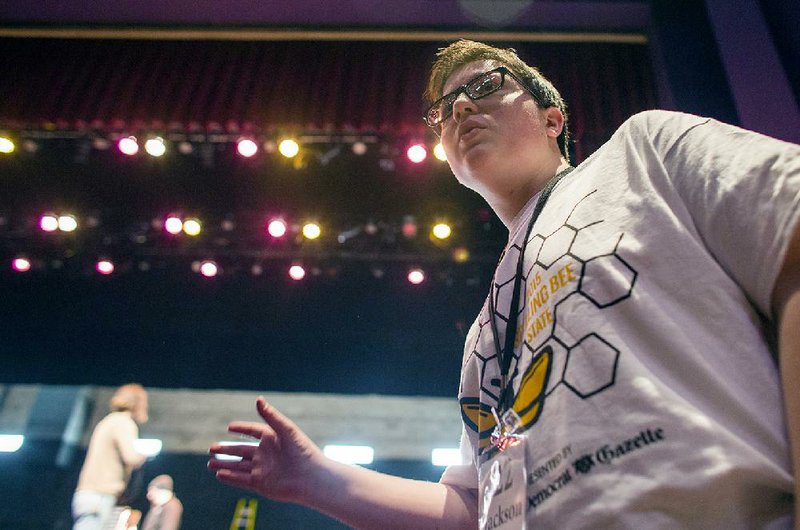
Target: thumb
{"x": 282, "y": 425}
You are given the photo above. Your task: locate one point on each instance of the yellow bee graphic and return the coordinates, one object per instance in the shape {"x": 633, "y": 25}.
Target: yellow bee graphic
{"x": 528, "y": 403}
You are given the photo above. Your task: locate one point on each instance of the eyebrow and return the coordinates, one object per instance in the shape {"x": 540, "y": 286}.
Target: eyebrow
{"x": 469, "y": 79}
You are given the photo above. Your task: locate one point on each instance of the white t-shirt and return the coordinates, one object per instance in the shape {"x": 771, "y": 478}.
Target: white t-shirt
{"x": 641, "y": 372}
{"x": 111, "y": 455}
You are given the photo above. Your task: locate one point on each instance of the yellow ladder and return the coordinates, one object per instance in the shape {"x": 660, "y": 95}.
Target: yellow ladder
{"x": 244, "y": 516}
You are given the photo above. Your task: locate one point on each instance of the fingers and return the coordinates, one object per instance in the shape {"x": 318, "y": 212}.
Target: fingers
{"x": 245, "y": 466}
{"x": 281, "y": 424}
{"x": 243, "y": 450}
{"x": 253, "y": 430}
{"x": 238, "y": 479}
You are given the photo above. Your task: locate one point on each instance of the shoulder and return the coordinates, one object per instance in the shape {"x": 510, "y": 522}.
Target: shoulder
{"x": 122, "y": 422}
{"x": 119, "y": 417}
{"x": 662, "y": 120}
{"x": 655, "y": 131}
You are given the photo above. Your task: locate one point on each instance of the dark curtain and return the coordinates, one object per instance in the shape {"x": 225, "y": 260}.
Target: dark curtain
{"x": 296, "y": 85}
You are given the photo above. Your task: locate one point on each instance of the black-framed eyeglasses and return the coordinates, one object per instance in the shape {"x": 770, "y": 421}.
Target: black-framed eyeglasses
{"x": 476, "y": 88}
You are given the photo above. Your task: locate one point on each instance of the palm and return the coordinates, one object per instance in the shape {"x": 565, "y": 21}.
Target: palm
{"x": 279, "y": 467}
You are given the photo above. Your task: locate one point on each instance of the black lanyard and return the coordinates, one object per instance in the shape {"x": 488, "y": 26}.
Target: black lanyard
{"x": 504, "y": 356}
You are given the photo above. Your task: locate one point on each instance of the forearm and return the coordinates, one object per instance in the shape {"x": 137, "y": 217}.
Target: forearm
{"x": 363, "y": 498}
{"x": 789, "y": 352}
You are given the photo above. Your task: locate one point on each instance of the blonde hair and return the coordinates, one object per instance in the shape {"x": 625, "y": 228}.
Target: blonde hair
{"x": 127, "y": 397}
{"x": 462, "y": 52}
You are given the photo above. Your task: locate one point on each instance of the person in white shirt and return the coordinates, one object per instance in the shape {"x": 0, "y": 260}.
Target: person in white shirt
{"x": 633, "y": 363}
{"x": 110, "y": 458}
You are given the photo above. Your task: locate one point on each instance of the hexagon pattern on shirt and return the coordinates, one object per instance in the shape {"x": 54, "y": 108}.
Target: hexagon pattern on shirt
{"x": 577, "y": 271}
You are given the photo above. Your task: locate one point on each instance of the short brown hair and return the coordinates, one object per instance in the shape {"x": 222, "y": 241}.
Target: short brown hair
{"x": 462, "y": 52}
{"x": 127, "y": 397}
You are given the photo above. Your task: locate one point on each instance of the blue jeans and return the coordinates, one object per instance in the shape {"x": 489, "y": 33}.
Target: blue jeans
{"x": 91, "y": 510}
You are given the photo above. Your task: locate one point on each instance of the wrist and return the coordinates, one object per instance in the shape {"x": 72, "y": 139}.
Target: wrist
{"x": 326, "y": 480}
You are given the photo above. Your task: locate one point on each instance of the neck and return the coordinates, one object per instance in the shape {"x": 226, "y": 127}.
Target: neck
{"x": 507, "y": 205}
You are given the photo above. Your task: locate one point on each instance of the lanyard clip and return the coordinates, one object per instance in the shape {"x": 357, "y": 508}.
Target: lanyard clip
{"x": 506, "y": 429}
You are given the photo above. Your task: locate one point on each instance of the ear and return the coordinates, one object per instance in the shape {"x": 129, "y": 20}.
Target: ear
{"x": 554, "y": 121}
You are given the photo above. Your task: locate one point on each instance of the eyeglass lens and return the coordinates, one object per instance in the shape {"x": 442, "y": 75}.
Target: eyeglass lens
{"x": 479, "y": 87}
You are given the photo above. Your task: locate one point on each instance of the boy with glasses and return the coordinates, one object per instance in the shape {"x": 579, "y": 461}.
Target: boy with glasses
{"x": 626, "y": 367}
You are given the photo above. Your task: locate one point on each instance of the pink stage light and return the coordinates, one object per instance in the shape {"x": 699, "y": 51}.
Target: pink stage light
{"x": 409, "y": 227}
{"x": 21, "y": 265}
{"x": 48, "y": 222}
{"x": 277, "y": 228}
{"x": 104, "y": 266}
{"x": 173, "y": 225}
{"x": 417, "y": 153}
{"x": 128, "y": 145}
{"x": 297, "y": 272}
{"x": 209, "y": 269}
{"x": 246, "y": 147}
{"x": 416, "y": 276}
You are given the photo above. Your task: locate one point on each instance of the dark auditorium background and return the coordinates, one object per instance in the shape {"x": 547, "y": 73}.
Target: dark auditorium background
{"x": 76, "y": 76}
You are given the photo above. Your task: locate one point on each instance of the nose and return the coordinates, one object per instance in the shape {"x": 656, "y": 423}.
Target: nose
{"x": 462, "y": 106}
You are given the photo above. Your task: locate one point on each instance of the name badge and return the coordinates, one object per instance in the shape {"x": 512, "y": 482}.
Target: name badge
{"x": 503, "y": 488}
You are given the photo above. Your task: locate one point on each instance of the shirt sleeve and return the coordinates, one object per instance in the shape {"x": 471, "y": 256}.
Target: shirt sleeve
{"x": 741, "y": 189}
{"x": 125, "y": 435}
{"x": 464, "y": 474}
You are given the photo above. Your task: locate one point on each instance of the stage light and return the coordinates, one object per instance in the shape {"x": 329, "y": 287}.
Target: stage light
{"x": 359, "y": 148}
{"x": 48, "y": 222}
{"x": 441, "y": 231}
{"x": 460, "y": 254}
{"x": 417, "y": 153}
{"x": 416, "y": 276}
{"x": 155, "y": 146}
{"x": 104, "y": 266}
{"x": 208, "y": 269}
{"x": 297, "y": 272}
{"x": 192, "y": 227}
{"x": 277, "y": 228}
{"x": 173, "y": 225}
{"x": 29, "y": 146}
{"x": 246, "y": 147}
{"x": 21, "y": 264}
{"x": 409, "y": 227}
{"x": 67, "y": 223}
{"x": 350, "y": 454}
{"x": 288, "y": 148}
{"x": 311, "y": 231}
{"x": 149, "y": 447}
{"x": 128, "y": 145}
{"x": 10, "y": 443}
{"x": 185, "y": 148}
{"x": 6, "y": 145}
{"x": 438, "y": 152}
{"x": 100, "y": 143}
{"x": 445, "y": 456}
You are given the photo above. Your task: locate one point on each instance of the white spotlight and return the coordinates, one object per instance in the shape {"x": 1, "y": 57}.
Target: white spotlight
{"x": 10, "y": 443}
{"x": 155, "y": 146}
{"x": 148, "y": 446}
{"x": 67, "y": 223}
{"x": 247, "y": 147}
{"x": 350, "y": 454}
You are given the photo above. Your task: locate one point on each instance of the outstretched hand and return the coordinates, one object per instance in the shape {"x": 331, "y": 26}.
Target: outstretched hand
{"x": 281, "y": 467}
